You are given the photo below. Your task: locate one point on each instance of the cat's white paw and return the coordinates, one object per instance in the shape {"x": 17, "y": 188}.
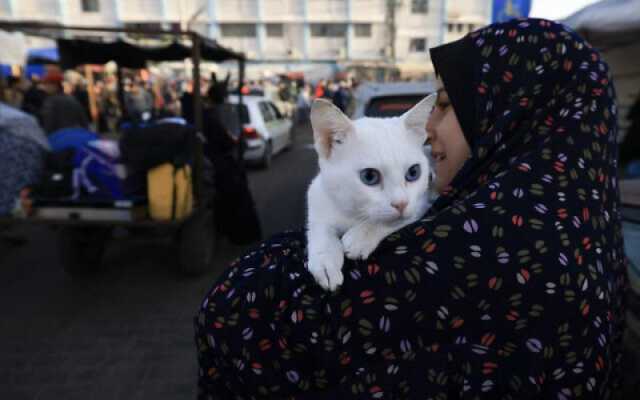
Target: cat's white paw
{"x": 326, "y": 268}
{"x": 359, "y": 242}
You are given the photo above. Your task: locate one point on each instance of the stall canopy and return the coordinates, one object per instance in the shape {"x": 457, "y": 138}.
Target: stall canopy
{"x": 613, "y": 27}
{"x": 608, "y": 23}
{"x": 77, "y": 52}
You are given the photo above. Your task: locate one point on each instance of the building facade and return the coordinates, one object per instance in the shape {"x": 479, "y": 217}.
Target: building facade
{"x": 284, "y": 34}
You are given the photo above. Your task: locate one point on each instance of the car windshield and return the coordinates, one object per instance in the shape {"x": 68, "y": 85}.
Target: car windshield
{"x": 392, "y": 106}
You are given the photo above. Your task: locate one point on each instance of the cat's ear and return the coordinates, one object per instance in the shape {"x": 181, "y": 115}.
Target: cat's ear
{"x": 330, "y": 126}
{"x": 415, "y": 120}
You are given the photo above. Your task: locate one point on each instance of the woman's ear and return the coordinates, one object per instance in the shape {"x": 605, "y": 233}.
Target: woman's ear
{"x": 415, "y": 120}
{"x": 330, "y": 127}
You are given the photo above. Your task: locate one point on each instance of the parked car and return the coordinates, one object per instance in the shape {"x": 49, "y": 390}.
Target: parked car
{"x": 265, "y": 131}
{"x": 388, "y": 99}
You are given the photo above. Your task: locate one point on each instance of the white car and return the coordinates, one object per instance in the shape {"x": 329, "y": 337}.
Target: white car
{"x": 388, "y": 99}
{"x": 265, "y": 130}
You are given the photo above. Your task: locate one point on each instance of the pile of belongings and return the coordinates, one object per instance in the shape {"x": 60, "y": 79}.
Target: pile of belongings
{"x": 84, "y": 170}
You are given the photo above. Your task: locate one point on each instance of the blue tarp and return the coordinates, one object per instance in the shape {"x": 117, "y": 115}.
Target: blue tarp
{"x": 30, "y": 70}
{"x": 36, "y": 61}
{"x": 43, "y": 56}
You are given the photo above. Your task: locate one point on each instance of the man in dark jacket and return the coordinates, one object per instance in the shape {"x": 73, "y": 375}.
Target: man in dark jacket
{"x": 60, "y": 110}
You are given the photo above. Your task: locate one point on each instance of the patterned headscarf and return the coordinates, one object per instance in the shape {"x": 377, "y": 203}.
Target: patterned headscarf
{"x": 528, "y": 233}
{"x": 511, "y": 288}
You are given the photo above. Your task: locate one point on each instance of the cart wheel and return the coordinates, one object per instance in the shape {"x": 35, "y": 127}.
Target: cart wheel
{"x": 80, "y": 250}
{"x": 197, "y": 244}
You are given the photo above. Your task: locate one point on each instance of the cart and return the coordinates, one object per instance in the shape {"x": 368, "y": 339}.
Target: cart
{"x": 82, "y": 234}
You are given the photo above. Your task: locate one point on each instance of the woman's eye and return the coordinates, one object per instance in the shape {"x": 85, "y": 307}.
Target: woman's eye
{"x": 427, "y": 142}
{"x": 370, "y": 176}
{"x": 443, "y": 105}
{"x": 413, "y": 173}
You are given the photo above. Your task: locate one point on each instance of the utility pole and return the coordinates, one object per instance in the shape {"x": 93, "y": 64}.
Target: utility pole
{"x": 390, "y": 20}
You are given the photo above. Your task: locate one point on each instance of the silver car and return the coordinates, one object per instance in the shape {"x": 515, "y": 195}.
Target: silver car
{"x": 389, "y": 99}
{"x": 265, "y": 130}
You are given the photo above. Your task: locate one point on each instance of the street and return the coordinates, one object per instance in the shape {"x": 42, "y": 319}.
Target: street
{"x": 126, "y": 332}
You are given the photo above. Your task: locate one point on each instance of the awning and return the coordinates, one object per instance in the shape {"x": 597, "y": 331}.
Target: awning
{"x": 613, "y": 27}
{"x": 79, "y": 52}
{"x": 608, "y": 23}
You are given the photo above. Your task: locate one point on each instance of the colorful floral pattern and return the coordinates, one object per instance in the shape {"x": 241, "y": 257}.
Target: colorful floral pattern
{"x": 511, "y": 287}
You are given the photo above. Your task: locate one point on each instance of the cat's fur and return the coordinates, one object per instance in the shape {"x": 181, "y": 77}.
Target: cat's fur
{"x": 347, "y": 217}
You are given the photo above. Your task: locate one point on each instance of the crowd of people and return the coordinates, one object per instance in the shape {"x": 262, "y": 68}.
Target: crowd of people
{"x": 145, "y": 99}
{"x": 45, "y": 115}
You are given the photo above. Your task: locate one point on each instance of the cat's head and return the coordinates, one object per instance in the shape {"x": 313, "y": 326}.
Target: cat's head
{"x": 374, "y": 168}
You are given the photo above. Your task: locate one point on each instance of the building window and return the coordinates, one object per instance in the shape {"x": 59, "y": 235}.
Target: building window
{"x": 419, "y": 6}
{"x": 471, "y": 27}
{"x": 238, "y": 30}
{"x": 275, "y": 30}
{"x": 418, "y": 45}
{"x": 450, "y": 27}
{"x": 362, "y": 30}
{"x": 328, "y": 30}
{"x": 460, "y": 26}
{"x": 90, "y": 5}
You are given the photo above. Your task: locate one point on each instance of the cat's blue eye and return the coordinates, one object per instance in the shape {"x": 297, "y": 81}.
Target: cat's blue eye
{"x": 370, "y": 176}
{"x": 413, "y": 173}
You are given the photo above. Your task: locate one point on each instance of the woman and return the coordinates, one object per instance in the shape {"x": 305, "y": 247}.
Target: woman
{"x": 510, "y": 288}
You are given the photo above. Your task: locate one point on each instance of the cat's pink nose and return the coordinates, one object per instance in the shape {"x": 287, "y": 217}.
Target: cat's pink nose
{"x": 399, "y": 205}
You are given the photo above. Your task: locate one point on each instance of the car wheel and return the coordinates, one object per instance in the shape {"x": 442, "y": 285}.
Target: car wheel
{"x": 267, "y": 156}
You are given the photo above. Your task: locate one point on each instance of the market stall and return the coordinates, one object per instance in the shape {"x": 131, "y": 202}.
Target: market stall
{"x": 85, "y": 227}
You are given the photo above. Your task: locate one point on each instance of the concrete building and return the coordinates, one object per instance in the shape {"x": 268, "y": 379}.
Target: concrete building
{"x": 464, "y": 16}
{"x": 286, "y": 35}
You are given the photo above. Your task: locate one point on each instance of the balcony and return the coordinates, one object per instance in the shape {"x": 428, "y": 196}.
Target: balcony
{"x": 185, "y": 10}
{"x": 141, "y": 10}
{"x": 105, "y": 16}
{"x": 323, "y": 48}
{"x": 38, "y": 10}
{"x": 248, "y": 46}
{"x": 283, "y": 10}
{"x": 327, "y": 10}
{"x": 368, "y": 10}
{"x": 237, "y": 10}
{"x": 371, "y": 47}
{"x": 288, "y": 45}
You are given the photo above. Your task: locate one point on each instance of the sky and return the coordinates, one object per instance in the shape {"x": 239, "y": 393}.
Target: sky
{"x": 557, "y": 9}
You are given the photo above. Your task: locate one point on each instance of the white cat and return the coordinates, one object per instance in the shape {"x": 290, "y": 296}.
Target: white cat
{"x": 373, "y": 180}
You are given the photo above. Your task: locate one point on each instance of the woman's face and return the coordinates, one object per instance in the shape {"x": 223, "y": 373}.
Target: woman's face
{"x": 449, "y": 147}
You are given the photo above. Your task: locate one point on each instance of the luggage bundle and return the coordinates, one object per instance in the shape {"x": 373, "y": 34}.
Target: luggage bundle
{"x": 149, "y": 168}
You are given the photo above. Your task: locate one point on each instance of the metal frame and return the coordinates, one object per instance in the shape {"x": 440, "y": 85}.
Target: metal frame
{"x": 36, "y": 29}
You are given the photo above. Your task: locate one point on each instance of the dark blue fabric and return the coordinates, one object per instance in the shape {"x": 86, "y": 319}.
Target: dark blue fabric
{"x": 73, "y": 138}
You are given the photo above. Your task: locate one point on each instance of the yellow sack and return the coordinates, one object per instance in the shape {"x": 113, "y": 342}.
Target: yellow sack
{"x": 170, "y": 192}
